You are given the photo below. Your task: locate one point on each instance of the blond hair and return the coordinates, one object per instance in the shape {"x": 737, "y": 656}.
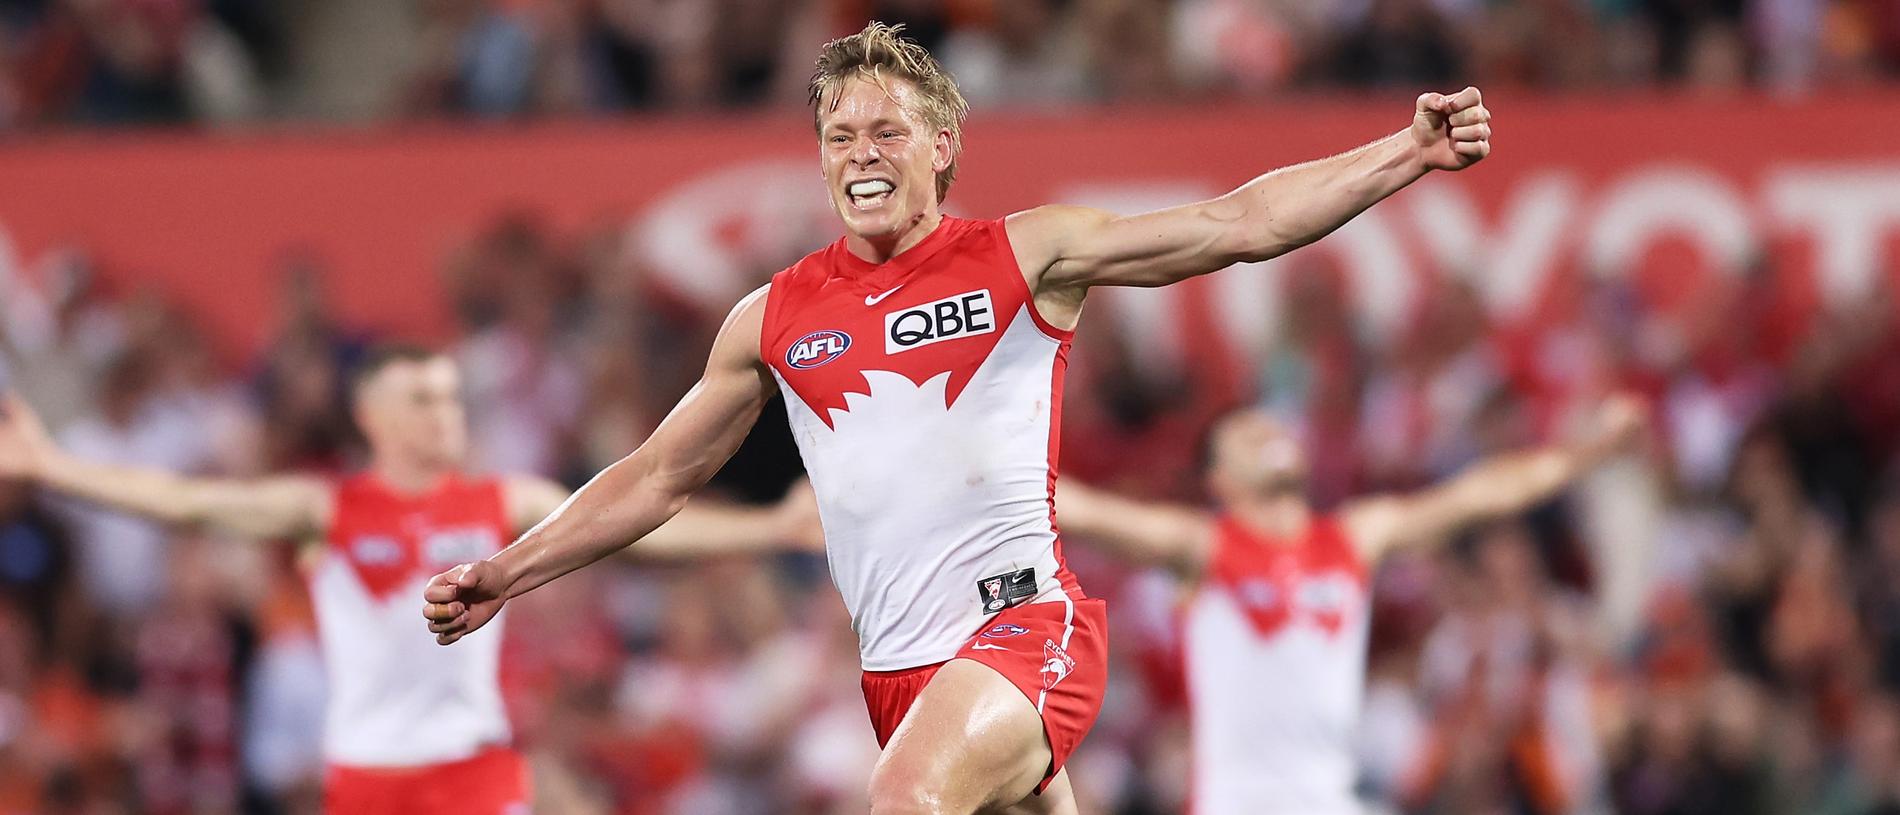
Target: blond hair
{"x": 878, "y": 52}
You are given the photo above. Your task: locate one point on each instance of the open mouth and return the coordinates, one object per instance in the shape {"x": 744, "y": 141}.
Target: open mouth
{"x": 869, "y": 194}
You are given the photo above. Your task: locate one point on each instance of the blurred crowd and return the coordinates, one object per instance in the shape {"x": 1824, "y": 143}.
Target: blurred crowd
{"x": 1710, "y": 627}
{"x": 238, "y": 61}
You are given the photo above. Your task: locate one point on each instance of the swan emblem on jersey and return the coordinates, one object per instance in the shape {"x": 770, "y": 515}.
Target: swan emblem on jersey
{"x": 1056, "y": 664}
{"x": 817, "y": 348}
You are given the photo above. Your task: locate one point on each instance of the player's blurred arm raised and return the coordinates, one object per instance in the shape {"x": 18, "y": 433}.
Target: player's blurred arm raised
{"x": 1494, "y": 487}
{"x": 700, "y": 530}
{"x": 632, "y": 497}
{"x": 1068, "y": 247}
{"x": 1157, "y": 534}
{"x": 278, "y": 508}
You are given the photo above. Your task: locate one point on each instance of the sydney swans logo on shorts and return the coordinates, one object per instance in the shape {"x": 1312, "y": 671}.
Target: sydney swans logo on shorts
{"x": 1056, "y": 664}
{"x": 959, "y": 315}
{"x": 817, "y": 348}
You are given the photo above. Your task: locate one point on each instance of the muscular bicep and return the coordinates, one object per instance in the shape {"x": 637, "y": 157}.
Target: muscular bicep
{"x": 1076, "y": 247}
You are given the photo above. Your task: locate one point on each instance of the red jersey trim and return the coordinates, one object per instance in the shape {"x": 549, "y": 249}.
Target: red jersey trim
{"x": 1029, "y": 297}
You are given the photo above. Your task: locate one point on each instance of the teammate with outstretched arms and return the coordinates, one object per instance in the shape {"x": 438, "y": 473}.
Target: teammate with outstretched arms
{"x": 1275, "y": 627}
{"x": 409, "y": 727}
{"x": 921, "y": 358}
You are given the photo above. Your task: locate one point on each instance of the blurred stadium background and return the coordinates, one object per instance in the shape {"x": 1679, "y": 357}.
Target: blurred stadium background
{"x": 208, "y": 208}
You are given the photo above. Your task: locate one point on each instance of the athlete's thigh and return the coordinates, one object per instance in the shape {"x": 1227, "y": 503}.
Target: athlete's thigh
{"x": 972, "y": 740}
{"x": 1057, "y": 799}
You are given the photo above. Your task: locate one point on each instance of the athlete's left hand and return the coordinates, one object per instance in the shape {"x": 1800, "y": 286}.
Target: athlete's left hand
{"x": 463, "y": 599}
{"x": 1453, "y": 132}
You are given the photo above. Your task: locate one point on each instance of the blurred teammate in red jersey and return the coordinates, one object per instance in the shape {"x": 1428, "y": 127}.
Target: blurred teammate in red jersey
{"x": 921, "y": 359}
{"x": 1276, "y": 623}
{"x": 410, "y": 728}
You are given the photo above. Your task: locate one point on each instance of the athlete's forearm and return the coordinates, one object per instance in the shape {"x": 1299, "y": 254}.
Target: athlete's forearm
{"x": 1294, "y": 206}
{"x": 268, "y": 509}
{"x": 1513, "y": 482}
{"x": 155, "y": 494}
{"x": 624, "y": 503}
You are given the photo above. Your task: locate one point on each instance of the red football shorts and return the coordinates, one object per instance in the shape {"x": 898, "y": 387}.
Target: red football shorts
{"x": 493, "y": 782}
{"x": 1056, "y": 658}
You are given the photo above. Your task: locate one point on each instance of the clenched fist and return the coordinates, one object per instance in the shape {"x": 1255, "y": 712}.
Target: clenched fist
{"x": 463, "y": 599}
{"x": 1453, "y": 132}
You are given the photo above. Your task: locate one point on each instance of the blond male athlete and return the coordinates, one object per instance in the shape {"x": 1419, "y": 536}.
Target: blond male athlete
{"x": 921, "y": 358}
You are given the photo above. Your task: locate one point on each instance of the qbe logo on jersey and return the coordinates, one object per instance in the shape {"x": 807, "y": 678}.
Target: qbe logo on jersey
{"x": 959, "y": 315}
{"x": 817, "y": 348}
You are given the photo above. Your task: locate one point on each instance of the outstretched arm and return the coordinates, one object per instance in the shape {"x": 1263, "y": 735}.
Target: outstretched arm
{"x": 278, "y": 508}
{"x": 629, "y": 499}
{"x": 1072, "y": 248}
{"x": 1492, "y": 488}
{"x": 1157, "y": 534}
{"x": 700, "y": 529}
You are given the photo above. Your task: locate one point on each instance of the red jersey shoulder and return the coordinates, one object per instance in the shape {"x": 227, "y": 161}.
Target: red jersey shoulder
{"x": 938, "y": 308}
{"x": 388, "y": 539}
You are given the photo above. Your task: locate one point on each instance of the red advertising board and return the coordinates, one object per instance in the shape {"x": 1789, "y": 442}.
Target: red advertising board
{"x": 1677, "y": 191}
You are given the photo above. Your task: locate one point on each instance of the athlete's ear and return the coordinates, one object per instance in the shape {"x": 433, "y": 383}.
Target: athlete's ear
{"x": 943, "y": 151}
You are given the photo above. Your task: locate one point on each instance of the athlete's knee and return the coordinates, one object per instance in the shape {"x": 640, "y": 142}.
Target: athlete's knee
{"x": 896, "y": 792}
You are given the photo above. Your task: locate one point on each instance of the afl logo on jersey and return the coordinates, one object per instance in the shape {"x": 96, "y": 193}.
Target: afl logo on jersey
{"x": 817, "y": 348}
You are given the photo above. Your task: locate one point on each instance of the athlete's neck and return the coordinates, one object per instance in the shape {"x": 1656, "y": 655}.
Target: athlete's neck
{"x": 1276, "y": 517}
{"x": 407, "y": 477}
{"x": 884, "y": 247}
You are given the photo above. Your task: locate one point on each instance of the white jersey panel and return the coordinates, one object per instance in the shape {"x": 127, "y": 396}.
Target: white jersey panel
{"x": 1273, "y": 716}
{"x": 397, "y": 699}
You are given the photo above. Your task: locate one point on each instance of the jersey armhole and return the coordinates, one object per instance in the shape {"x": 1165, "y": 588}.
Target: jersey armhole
{"x": 1001, "y": 225}
{"x": 768, "y": 320}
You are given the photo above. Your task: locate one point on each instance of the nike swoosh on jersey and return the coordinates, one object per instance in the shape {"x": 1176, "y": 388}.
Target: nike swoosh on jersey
{"x": 872, "y": 301}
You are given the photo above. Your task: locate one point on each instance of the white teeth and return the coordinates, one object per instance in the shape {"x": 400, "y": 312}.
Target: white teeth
{"x": 865, "y": 188}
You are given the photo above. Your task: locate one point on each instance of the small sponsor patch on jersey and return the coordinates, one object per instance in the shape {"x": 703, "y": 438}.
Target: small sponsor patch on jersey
{"x": 1056, "y": 664}
{"x": 1005, "y": 590}
{"x": 960, "y": 315}
{"x": 447, "y": 547}
{"x": 817, "y": 348}
{"x": 1001, "y": 630}
{"x": 376, "y": 550}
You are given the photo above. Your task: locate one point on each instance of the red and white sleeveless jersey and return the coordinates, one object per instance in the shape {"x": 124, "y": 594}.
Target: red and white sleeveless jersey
{"x": 1276, "y": 658}
{"x": 396, "y": 697}
{"x": 924, "y": 393}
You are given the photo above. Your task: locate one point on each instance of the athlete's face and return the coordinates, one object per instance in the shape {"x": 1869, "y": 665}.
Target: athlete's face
{"x": 413, "y": 409}
{"x": 1255, "y": 455}
{"x": 880, "y": 158}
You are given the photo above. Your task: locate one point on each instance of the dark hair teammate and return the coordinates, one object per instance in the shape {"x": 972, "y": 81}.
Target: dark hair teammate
{"x": 409, "y": 728}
